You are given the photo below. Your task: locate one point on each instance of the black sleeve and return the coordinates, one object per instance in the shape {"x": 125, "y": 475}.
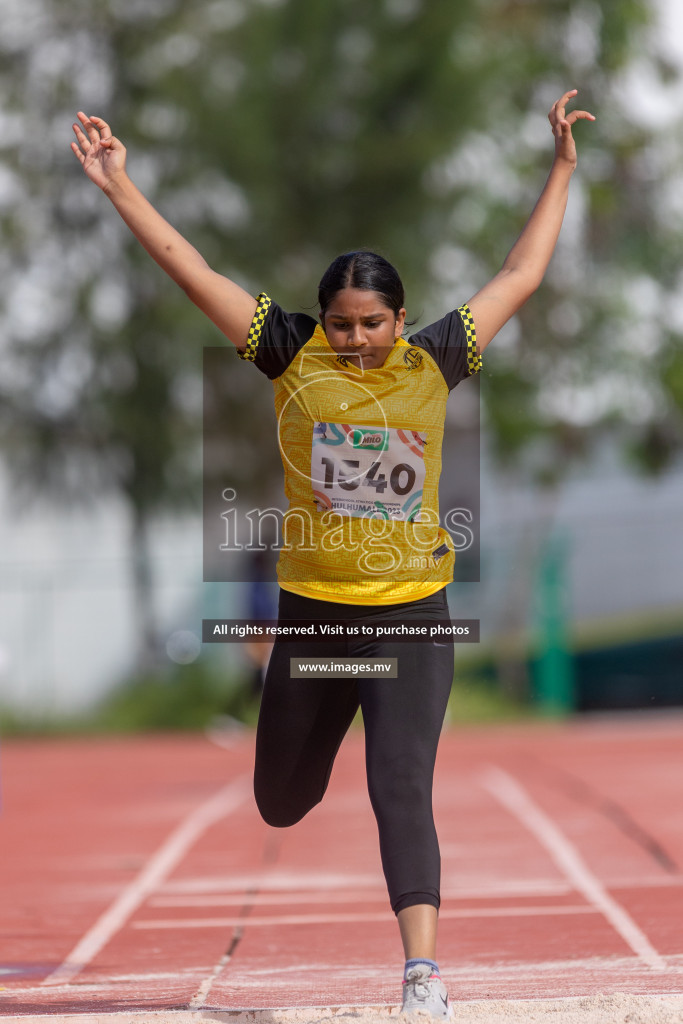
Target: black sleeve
{"x": 452, "y": 344}
{"x": 275, "y": 337}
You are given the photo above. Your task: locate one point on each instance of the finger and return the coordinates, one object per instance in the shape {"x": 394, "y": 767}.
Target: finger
{"x": 89, "y": 127}
{"x": 76, "y": 149}
{"x": 83, "y": 139}
{"x": 583, "y": 115}
{"x": 557, "y": 111}
{"x": 559, "y": 126}
{"x": 104, "y": 129}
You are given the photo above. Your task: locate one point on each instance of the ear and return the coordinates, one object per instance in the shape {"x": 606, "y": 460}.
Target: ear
{"x": 400, "y": 322}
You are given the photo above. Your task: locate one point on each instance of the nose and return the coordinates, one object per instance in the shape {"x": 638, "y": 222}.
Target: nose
{"x": 357, "y": 337}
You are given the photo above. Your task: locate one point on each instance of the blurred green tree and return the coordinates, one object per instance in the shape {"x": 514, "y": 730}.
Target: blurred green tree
{"x": 277, "y": 133}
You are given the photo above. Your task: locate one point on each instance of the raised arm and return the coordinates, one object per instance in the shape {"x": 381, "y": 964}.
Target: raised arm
{"x": 103, "y": 158}
{"x": 527, "y": 261}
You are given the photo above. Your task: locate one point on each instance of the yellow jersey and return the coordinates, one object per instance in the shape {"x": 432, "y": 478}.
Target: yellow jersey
{"x": 361, "y": 451}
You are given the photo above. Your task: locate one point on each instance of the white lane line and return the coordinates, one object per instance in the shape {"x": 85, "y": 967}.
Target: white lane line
{"x": 497, "y": 889}
{"x": 351, "y": 918}
{"x": 277, "y": 881}
{"x": 234, "y": 890}
{"x": 202, "y": 993}
{"x": 512, "y": 796}
{"x": 613, "y": 970}
{"x": 266, "y": 899}
{"x": 157, "y": 868}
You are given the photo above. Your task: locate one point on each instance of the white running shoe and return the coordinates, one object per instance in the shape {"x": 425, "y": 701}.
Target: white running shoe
{"x": 425, "y": 991}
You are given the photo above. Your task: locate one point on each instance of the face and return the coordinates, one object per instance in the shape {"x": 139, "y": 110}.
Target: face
{"x": 361, "y": 327}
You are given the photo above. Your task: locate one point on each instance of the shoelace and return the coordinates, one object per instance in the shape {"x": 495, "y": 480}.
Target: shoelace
{"x": 421, "y": 991}
{"x": 420, "y": 987}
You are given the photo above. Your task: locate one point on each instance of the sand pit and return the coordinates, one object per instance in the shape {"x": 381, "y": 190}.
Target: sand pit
{"x": 612, "y": 1009}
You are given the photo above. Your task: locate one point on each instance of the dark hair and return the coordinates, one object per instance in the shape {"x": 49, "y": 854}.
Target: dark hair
{"x": 364, "y": 270}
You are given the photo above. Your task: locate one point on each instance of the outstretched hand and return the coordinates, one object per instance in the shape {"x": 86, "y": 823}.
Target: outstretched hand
{"x": 561, "y": 127}
{"x": 101, "y": 155}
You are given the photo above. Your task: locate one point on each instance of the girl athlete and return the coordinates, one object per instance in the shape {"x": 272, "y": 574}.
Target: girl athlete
{"x": 360, "y": 421}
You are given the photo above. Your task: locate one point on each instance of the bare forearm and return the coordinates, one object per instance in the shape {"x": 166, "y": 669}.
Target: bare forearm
{"x": 531, "y": 253}
{"x": 165, "y": 245}
{"x": 103, "y": 158}
{"x": 528, "y": 260}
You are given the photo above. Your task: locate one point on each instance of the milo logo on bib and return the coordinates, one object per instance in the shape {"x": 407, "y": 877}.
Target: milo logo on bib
{"x": 374, "y": 440}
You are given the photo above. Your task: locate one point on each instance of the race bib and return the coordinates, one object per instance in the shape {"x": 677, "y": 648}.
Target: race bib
{"x": 376, "y": 472}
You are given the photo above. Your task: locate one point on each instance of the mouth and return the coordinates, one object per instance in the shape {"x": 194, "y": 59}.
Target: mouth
{"x": 364, "y": 358}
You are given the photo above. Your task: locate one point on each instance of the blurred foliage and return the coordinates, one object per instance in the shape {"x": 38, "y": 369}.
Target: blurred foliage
{"x": 277, "y": 133}
{"x": 185, "y": 697}
{"x": 189, "y": 697}
{"x": 202, "y": 696}
{"x": 477, "y": 699}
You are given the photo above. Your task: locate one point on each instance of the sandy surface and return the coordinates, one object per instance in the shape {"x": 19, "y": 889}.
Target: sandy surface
{"x": 613, "y": 1009}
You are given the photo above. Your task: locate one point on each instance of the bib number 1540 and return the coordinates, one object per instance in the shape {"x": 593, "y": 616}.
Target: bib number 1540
{"x": 401, "y": 479}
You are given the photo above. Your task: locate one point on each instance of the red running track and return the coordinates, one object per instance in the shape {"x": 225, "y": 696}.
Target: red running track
{"x": 137, "y": 875}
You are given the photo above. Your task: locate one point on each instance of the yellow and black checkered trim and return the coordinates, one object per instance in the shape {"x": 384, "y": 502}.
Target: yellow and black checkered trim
{"x": 474, "y": 363}
{"x": 254, "y": 336}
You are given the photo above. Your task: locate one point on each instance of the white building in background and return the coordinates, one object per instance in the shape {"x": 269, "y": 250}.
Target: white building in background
{"x": 66, "y": 615}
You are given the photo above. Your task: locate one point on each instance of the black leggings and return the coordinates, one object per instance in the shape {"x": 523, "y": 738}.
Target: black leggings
{"x": 303, "y": 721}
